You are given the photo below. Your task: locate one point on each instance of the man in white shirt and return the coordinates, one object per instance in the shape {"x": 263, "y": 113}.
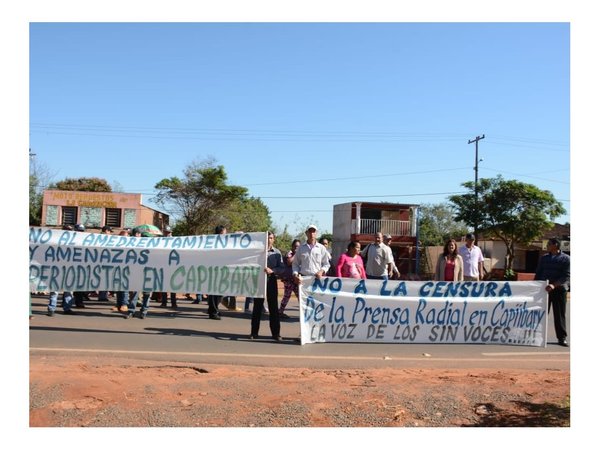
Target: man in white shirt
{"x": 311, "y": 258}
{"x": 472, "y": 259}
{"x": 379, "y": 259}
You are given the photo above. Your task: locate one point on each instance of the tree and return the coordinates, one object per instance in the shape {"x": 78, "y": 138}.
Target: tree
{"x": 203, "y": 199}
{"x": 117, "y": 186}
{"x": 246, "y": 214}
{"x": 82, "y": 184}
{"x": 513, "y": 211}
{"x": 283, "y": 240}
{"x": 39, "y": 179}
{"x": 437, "y": 224}
{"x": 35, "y": 201}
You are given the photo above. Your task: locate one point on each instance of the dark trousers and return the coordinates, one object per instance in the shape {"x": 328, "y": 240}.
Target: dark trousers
{"x": 163, "y": 299}
{"x": 231, "y": 302}
{"x": 79, "y": 296}
{"x": 257, "y": 309}
{"x": 213, "y": 304}
{"x": 557, "y": 299}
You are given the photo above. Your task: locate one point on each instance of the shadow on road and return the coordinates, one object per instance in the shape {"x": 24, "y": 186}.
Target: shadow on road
{"x": 219, "y": 335}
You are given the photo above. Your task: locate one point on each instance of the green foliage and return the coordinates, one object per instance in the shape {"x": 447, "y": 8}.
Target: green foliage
{"x": 510, "y": 275}
{"x": 203, "y": 199}
{"x": 329, "y": 237}
{"x": 513, "y": 211}
{"x": 93, "y": 184}
{"x": 437, "y": 224}
{"x": 39, "y": 178}
{"x": 246, "y": 214}
{"x": 283, "y": 240}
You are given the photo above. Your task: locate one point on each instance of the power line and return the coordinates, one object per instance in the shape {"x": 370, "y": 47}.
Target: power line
{"x": 544, "y": 148}
{"x": 316, "y": 180}
{"x": 236, "y": 132}
{"x": 275, "y": 135}
{"x": 300, "y": 211}
{"x": 526, "y": 176}
{"x": 258, "y": 138}
{"x": 529, "y": 140}
{"x": 355, "y": 177}
{"x": 365, "y": 196}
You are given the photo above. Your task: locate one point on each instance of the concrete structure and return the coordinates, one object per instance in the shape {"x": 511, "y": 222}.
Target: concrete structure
{"x": 359, "y": 221}
{"x": 96, "y": 209}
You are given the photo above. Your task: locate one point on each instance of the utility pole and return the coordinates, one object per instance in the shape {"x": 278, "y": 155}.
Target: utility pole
{"x": 476, "y": 168}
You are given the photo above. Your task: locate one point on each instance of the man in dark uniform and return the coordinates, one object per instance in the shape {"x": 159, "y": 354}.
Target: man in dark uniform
{"x": 275, "y": 268}
{"x": 555, "y": 267}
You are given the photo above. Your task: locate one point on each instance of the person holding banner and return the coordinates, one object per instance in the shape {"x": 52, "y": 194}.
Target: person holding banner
{"x": 311, "y": 259}
{"x": 450, "y": 264}
{"x": 274, "y": 268}
{"x": 350, "y": 264}
{"x": 555, "y": 267}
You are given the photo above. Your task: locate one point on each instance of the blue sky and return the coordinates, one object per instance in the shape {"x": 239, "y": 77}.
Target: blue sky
{"x": 330, "y": 112}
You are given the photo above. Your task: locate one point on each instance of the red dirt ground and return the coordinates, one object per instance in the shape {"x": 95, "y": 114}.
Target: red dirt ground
{"x": 111, "y": 392}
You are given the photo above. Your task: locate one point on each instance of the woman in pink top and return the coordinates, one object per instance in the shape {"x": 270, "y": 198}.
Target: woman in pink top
{"x": 450, "y": 264}
{"x": 350, "y": 264}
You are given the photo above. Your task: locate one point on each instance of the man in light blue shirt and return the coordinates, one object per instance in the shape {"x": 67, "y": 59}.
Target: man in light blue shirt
{"x": 312, "y": 258}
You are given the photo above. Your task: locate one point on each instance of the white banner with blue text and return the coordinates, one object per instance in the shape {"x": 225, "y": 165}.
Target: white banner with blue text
{"x": 224, "y": 264}
{"x": 425, "y": 312}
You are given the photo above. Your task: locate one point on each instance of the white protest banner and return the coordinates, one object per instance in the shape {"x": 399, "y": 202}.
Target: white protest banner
{"x": 224, "y": 264}
{"x": 485, "y": 312}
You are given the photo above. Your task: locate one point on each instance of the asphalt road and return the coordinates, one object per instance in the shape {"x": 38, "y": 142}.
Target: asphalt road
{"x": 187, "y": 335}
